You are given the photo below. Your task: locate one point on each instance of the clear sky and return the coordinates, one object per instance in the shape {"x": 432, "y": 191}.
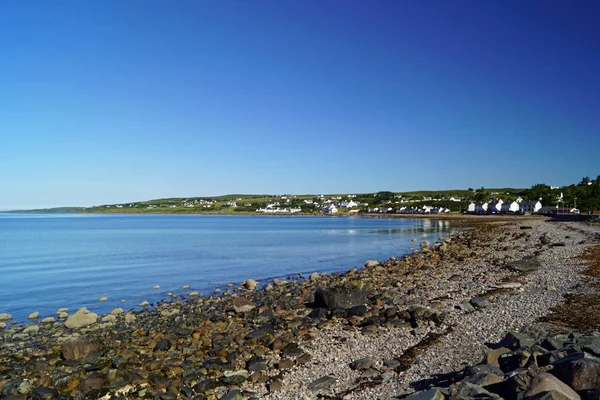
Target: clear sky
{"x": 123, "y": 100}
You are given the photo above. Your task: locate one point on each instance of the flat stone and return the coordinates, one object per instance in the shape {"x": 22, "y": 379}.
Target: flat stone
{"x": 33, "y": 315}
{"x": 465, "y": 306}
{"x": 480, "y": 302}
{"x": 47, "y": 320}
{"x": 313, "y": 277}
{"x": 431, "y": 394}
{"x": 507, "y": 285}
{"x": 322, "y": 383}
{"x": 362, "y": 363}
{"x": 116, "y": 311}
{"x": 371, "y": 263}
{"x": 524, "y": 265}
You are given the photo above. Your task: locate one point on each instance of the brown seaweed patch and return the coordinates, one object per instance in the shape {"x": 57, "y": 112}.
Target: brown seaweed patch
{"x": 580, "y": 312}
{"x": 591, "y": 257}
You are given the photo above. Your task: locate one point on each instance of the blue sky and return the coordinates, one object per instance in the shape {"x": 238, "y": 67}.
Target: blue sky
{"x": 114, "y": 101}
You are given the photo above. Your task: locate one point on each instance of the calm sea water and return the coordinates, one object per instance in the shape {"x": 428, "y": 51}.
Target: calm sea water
{"x": 49, "y": 261}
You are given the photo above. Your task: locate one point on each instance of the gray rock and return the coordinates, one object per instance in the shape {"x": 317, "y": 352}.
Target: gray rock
{"x": 524, "y": 265}
{"x": 545, "y": 382}
{"x": 233, "y": 395}
{"x": 313, "y": 277}
{"x": 466, "y": 390}
{"x": 480, "y": 302}
{"x": 322, "y": 383}
{"x": 431, "y": 394}
{"x": 340, "y": 297}
{"x": 515, "y": 340}
{"x": 371, "y": 263}
{"x": 465, "y": 306}
{"x": 425, "y": 246}
{"x": 83, "y": 317}
{"x": 362, "y": 363}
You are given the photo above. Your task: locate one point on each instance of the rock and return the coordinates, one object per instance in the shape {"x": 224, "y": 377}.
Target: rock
{"x": 144, "y": 304}
{"x": 83, "y": 317}
{"x": 47, "y": 320}
{"x": 129, "y": 318}
{"x": 544, "y": 239}
{"x": 92, "y": 382}
{"x": 507, "y": 285}
{"x": 424, "y": 246}
{"x": 162, "y": 345}
{"x": 340, "y": 297}
{"x": 233, "y": 395}
{"x": 431, "y": 394}
{"x": 249, "y": 284}
{"x": 465, "y": 306}
{"x": 31, "y": 329}
{"x": 156, "y": 287}
{"x": 514, "y": 341}
{"x": 44, "y": 393}
{"x": 33, "y": 315}
{"x": 362, "y": 363}
{"x": 78, "y": 348}
{"x": 116, "y": 311}
{"x": 109, "y": 318}
{"x": 466, "y": 390}
{"x": 102, "y": 299}
{"x": 371, "y": 263}
{"x": 582, "y": 374}
{"x": 4, "y": 317}
{"x": 2, "y": 325}
{"x": 196, "y": 294}
{"x": 545, "y": 382}
{"x": 275, "y": 386}
{"x": 242, "y": 304}
{"x": 480, "y": 302}
{"x": 62, "y": 310}
{"x": 63, "y": 315}
{"x": 25, "y": 387}
{"x": 493, "y": 355}
{"x": 256, "y": 364}
{"x": 313, "y": 277}
{"x": 524, "y": 265}
{"x": 322, "y": 383}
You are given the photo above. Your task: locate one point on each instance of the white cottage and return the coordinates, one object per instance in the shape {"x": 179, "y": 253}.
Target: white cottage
{"x": 471, "y": 208}
{"x": 530, "y": 206}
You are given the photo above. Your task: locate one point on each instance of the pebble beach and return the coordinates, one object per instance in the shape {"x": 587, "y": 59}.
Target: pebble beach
{"x": 380, "y": 332}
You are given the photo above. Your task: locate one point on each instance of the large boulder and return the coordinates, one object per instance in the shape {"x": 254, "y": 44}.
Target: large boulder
{"x": 340, "y": 297}
{"x": 83, "y": 317}
{"x": 78, "y": 347}
{"x": 242, "y": 304}
{"x": 5, "y": 317}
{"x": 545, "y": 382}
{"x": 582, "y": 374}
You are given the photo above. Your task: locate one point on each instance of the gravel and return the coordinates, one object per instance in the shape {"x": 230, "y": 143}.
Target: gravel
{"x": 335, "y": 347}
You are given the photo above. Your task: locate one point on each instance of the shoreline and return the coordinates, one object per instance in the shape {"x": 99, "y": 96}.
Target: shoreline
{"x": 269, "y": 343}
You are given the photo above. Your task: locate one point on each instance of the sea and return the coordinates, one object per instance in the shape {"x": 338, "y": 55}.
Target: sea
{"x": 49, "y": 261}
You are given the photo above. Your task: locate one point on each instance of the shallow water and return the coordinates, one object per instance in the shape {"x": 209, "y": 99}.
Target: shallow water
{"x": 49, "y": 261}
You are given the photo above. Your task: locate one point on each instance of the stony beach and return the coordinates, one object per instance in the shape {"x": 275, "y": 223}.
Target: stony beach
{"x": 413, "y": 326}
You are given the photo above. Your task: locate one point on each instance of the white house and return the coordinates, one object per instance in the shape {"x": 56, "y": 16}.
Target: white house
{"x": 471, "y": 208}
{"x": 331, "y": 209}
{"x": 481, "y": 208}
{"x": 530, "y": 206}
{"x": 496, "y": 206}
{"x": 348, "y": 204}
{"x": 510, "y": 207}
